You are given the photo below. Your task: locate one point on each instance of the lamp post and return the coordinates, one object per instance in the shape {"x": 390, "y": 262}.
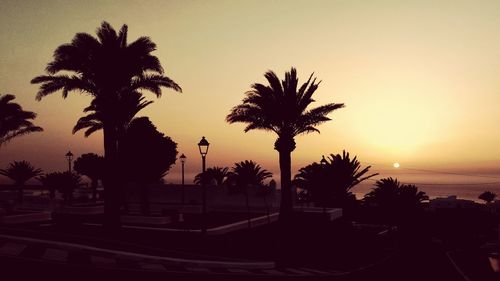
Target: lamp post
{"x": 183, "y": 161}
{"x": 203, "y": 146}
{"x": 69, "y": 156}
{"x": 323, "y": 160}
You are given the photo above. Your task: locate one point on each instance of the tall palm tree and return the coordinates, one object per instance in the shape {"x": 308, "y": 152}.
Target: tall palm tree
{"x": 218, "y": 175}
{"x": 330, "y": 183}
{"x": 282, "y": 107}
{"x": 114, "y": 72}
{"x": 20, "y": 172}
{"x": 125, "y": 111}
{"x": 90, "y": 165}
{"x": 14, "y": 121}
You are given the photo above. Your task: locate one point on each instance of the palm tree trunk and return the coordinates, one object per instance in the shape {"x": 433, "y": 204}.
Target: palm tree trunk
{"x": 286, "y": 206}
{"x": 247, "y": 203}
{"x": 111, "y": 188}
{"x": 94, "y": 189}
{"x": 267, "y": 209}
{"x": 20, "y": 194}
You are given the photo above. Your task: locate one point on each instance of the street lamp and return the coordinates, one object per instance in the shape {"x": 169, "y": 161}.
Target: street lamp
{"x": 323, "y": 160}
{"x": 183, "y": 161}
{"x": 69, "y": 156}
{"x": 203, "y": 146}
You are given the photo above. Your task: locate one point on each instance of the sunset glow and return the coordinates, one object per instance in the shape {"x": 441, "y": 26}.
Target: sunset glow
{"x": 419, "y": 79}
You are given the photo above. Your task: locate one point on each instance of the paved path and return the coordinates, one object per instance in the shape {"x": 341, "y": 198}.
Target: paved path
{"x": 48, "y": 252}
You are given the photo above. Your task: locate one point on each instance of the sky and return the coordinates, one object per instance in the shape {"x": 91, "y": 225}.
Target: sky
{"x": 420, "y": 79}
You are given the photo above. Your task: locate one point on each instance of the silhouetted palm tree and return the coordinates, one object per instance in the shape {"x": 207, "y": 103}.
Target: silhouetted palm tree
{"x": 49, "y": 182}
{"x": 487, "y": 196}
{"x": 248, "y": 173}
{"x": 281, "y": 107}
{"x": 125, "y": 111}
{"x": 329, "y": 184}
{"x": 217, "y": 175}
{"x": 92, "y": 166}
{"x": 245, "y": 174}
{"x": 113, "y": 72}
{"x": 385, "y": 193}
{"x": 20, "y": 172}
{"x": 400, "y": 202}
{"x": 63, "y": 182}
{"x": 410, "y": 196}
{"x": 14, "y": 121}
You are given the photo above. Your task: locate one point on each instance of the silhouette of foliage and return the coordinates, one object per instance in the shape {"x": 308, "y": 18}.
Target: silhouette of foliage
{"x": 20, "y": 172}
{"x": 329, "y": 184}
{"x": 397, "y": 201}
{"x": 487, "y": 196}
{"x": 146, "y": 155}
{"x": 247, "y": 173}
{"x": 14, "y": 121}
{"x": 214, "y": 175}
{"x": 282, "y": 107}
{"x": 114, "y": 72}
{"x": 92, "y": 166}
{"x": 63, "y": 182}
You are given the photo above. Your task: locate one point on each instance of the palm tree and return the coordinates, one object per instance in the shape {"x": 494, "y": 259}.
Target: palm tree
{"x": 90, "y": 165}
{"x": 14, "y": 121}
{"x": 330, "y": 183}
{"x": 281, "y": 107}
{"x": 245, "y": 174}
{"x": 400, "y": 202}
{"x": 217, "y": 175}
{"x": 114, "y": 73}
{"x": 411, "y": 197}
{"x": 125, "y": 111}
{"x": 20, "y": 172}
{"x": 385, "y": 193}
{"x": 64, "y": 182}
{"x": 487, "y": 196}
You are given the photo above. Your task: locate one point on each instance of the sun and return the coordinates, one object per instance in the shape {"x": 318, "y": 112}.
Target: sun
{"x": 396, "y": 165}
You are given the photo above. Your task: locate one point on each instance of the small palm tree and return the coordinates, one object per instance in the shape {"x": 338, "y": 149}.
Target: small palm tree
{"x": 410, "y": 196}
{"x": 385, "y": 193}
{"x": 216, "y": 175}
{"x": 20, "y": 172}
{"x": 330, "y": 183}
{"x": 92, "y": 166}
{"x": 247, "y": 173}
{"x": 487, "y": 196}
{"x": 14, "y": 121}
{"x": 63, "y": 182}
{"x": 282, "y": 107}
{"x": 244, "y": 174}
{"x": 113, "y": 72}
{"x": 396, "y": 201}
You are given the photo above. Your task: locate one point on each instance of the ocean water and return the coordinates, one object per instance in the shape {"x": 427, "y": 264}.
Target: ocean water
{"x": 442, "y": 185}
{"x": 434, "y": 184}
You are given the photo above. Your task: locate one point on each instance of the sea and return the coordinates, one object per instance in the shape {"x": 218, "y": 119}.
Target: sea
{"x": 441, "y": 185}
{"x": 434, "y": 184}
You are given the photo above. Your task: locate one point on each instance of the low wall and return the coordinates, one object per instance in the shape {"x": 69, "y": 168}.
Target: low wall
{"x": 218, "y": 197}
{"x": 25, "y": 218}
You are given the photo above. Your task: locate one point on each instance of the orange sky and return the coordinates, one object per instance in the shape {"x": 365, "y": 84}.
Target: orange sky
{"x": 420, "y": 79}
